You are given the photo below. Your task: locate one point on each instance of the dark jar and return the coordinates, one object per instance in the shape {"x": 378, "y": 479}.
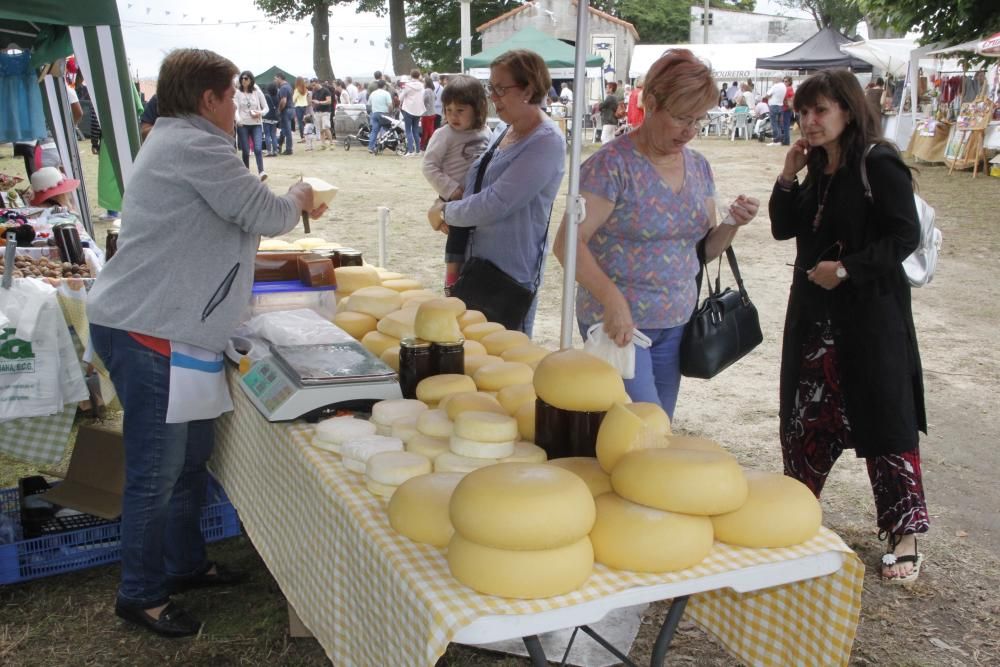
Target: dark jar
{"x": 415, "y": 364}
{"x": 110, "y": 244}
{"x": 67, "y": 239}
{"x": 448, "y": 358}
{"x": 350, "y": 257}
{"x": 562, "y": 433}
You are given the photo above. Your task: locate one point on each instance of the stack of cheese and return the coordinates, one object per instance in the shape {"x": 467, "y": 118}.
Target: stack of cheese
{"x": 307, "y": 243}
{"x": 479, "y": 439}
{"x": 385, "y": 471}
{"x": 386, "y": 413}
{"x": 521, "y": 531}
{"x": 355, "y": 453}
{"x": 433, "y": 430}
{"x": 436, "y": 320}
{"x": 331, "y": 434}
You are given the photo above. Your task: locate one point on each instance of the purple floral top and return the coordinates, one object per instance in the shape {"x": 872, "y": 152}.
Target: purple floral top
{"x": 648, "y": 244}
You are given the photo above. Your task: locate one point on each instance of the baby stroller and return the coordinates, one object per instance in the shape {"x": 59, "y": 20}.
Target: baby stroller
{"x": 392, "y": 137}
{"x": 765, "y": 133}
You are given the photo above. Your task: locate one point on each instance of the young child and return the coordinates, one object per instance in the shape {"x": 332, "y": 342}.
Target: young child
{"x": 451, "y": 151}
{"x": 309, "y": 133}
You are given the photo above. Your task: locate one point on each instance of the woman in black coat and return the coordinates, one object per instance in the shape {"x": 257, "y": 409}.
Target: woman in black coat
{"x": 850, "y": 368}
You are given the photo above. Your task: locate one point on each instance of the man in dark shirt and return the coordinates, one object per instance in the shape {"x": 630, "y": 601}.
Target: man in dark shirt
{"x": 148, "y": 117}
{"x": 321, "y": 113}
{"x": 286, "y": 109}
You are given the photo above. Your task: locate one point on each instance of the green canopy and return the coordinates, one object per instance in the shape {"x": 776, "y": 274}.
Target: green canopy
{"x": 267, "y": 76}
{"x": 556, "y": 53}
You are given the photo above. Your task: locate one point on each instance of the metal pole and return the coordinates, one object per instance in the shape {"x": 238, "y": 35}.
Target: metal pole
{"x": 383, "y": 225}
{"x": 466, "y": 24}
{"x": 575, "y": 211}
{"x": 704, "y": 22}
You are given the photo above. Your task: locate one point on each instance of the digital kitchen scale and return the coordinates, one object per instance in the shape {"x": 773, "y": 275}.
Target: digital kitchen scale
{"x": 313, "y": 381}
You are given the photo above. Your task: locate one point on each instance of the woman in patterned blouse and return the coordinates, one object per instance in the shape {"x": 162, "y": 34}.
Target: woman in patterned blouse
{"x": 650, "y": 200}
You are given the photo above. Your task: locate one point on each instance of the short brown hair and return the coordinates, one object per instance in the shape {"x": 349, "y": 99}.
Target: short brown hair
{"x": 527, "y": 69}
{"x": 464, "y": 89}
{"x": 186, "y": 74}
{"x": 679, "y": 83}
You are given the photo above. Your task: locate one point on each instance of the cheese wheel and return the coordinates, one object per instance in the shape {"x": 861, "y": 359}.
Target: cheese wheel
{"x": 514, "y": 396}
{"x": 377, "y": 342}
{"x": 341, "y": 301}
{"x": 522, "y": 575}
{"x": 481, "y": 329}
{"x": 529, "y": 354}
{"x": 434, "y": 423}
{"x": 311, "y": 242}
{"x": 339, "y": 430}
{"x": 486, "y": 427}
{"x": 522, "y": 506}
{"x": 779, "y": 512}
{"x": 679, "y": 480}
{"x": 380, "y": 490}
{"x": 352, "y": 278}
{"x": 456, "y": 304}
{"x": 577, "y": 381}
{"x": 622, "y": 431}
{"x": 525, "y": 417}
{"x": 652, "y": 415}
{"x": 470, "y": 317}
{"x": 360, "y": 450}
{"x": 417, "y": 296}
{"x": 402, "y": 284}
{"x": 390, "y": 357}
{"x": 499, "y": 341}
{"x": 388, "y": 411}
{"x": 273, "y": 244}
{"x": 476, "y": 449}
{"x": 418, "y": 509}
{"x": 473, "y": 348}
{"x": 526, "y": 452}
{"x": 627, "y": 536}
{"x": 404, "y": 428}
{"x": 436, "y": 321}
{"x": 494, "y": 377}
{"x": 428, "y": 446}
{"x": 398, "y": 324}
{"x": 386, "y": 274}
{"x": 456, "y": 404}
{"x": 323, "y": 193}
{"x": 375, "y": 301}
{"x": 452, "y": 462}
{"x": 355, "y": 324}
{"x": 474, "y": 362}
{"x": 589, "y": 470}
{"x": 433, "y": 389}
{"x": 394, "y": 468}
{"x": 696, "y": 443}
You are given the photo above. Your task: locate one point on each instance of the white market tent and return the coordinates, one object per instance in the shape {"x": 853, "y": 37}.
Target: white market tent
{"x": 728, "y": 61}
{"x": 894, "y": 55}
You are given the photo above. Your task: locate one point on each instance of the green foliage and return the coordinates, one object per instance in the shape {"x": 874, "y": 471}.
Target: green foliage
{"x": 842, "y": 15}
{"x": 664, "y": 22}
{"x": 435, "y": 28}
{"x": 946, "y": 21}
{"x": 292, "y": 10}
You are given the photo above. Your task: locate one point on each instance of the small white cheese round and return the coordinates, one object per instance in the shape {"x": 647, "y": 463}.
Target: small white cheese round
{"x": 452, "y": 462}
{"x": 434, "y": 423}
{"x": 477, "y": 449}
{"x": 486, "y": 427}
{"x": 428, "y": 446}
{"x": 394, "y": 468}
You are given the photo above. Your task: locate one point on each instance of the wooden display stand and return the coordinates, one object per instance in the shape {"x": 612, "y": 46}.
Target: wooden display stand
{"x": 966, "y": 146}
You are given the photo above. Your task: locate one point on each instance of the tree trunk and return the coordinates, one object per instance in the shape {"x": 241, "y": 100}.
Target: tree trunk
{"x": 321, "y": 42}
{"x": 402, "y": 59}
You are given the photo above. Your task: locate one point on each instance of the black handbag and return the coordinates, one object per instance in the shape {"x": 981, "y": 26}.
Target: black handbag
{"x": 722, "y": 329}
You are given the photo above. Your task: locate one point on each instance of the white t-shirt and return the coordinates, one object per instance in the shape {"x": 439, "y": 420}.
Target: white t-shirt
{"x": 566, "y": 96}
{"x": 381, "y": 100}
{"x": 776, "y": 95}
{"x": 762, "y": 108}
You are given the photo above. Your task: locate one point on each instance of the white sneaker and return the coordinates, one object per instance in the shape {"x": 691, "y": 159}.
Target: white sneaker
{"x": 263, "y": 176}
{"x": 774, "y": 143}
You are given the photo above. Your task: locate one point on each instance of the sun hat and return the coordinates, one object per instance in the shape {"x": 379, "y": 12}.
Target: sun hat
{"x": 48, "y": 182}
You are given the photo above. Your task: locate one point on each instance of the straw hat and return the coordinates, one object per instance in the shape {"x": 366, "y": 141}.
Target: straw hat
{"x": 48, "y": 182}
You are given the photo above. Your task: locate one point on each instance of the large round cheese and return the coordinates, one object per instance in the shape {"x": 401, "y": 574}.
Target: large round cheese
{"x": 355, "y": 324}
{"x": 377, "y": 342}
{"x": 375, "y": 301}
{"x": 473, "y": 348}
{"x": 589, "y": 470}
{"x": 520, "y": 574}
{"x": 526, "y": 452}
{"x": 477, "y": 449}
{"x": 419, "y": 508}
{"x": 679, "y": 480}
{"x": 390, "y": 357}
{"x": 525, "y": 417}
{"x": 417, "y": 296}
{"x": 427, "y": 445}
{"x": 388, "y": 411}
{"x": 398, "y": 324}
{"x": 499, "y": 341}
{"x": 622, "y": 431}
{"x": 434, "y": 423}
{"x": 314, "y": 242}
{"x": 452, "y": 462}
{"x": 402, "y": 284}
{"x": 514, "y": 396}
{"x": 627, "y": 536}
{"x": 274, "y": 244}
{"x": 474, "y": 362}
{"x": 779, "y": 512}
{"x": 486, "y": 427}
{"x": 574, "y": 380}
{"x": 437, "y": 322}
{"x": 470, "y": 317}
{"x": 695, "y": 442}
{"x": 653, "y": 416}
{"x": 386, "y": 274}
{"x": 529, "y": 354}
{"x": 394, "y": 468}
{"x": 522, "y": 506}
{"x": 352, "y": 278}
{"x": 433, "y": 389}
{"x": 481, "y": 329}
{"x": 494, "y": 377}
{"x": 456, "y": 404}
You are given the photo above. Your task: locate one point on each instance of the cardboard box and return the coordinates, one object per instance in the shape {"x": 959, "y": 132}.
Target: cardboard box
{"x": 95, "y": 479}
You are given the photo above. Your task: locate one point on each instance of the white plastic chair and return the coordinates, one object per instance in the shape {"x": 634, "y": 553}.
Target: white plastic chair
{"x": 741, "y": 123}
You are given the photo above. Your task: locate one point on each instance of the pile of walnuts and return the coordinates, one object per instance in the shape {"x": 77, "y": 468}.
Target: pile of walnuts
{"x": 43, "y": 267}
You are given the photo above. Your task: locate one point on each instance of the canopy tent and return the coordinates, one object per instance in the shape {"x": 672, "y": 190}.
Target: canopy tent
{"x": 267, "y": 76}
{"x": 894, "y": 55}
{"x": 728, "y": 61}
{"x": 558, "y": 55}
{"x": 95, "y": 37}
{"x": 821, "y": 51}
{"x": 984, "y": 47}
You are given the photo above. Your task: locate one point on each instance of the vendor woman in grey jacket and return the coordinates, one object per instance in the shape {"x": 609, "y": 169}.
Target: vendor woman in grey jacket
{"x": 161, "y": 312}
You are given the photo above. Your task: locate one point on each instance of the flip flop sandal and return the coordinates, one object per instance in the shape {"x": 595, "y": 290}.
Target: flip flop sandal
{"x": 891, "y": 559}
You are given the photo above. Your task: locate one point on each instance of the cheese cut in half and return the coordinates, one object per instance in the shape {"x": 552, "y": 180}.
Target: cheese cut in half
{"x": 525, "y": 417}
{"x": 524, "y": 575}
{"x": 331, "y": 434}
{"x": 622, "y": 431}
{"x": 418, "y": 509}
{"x": 526, "y": 452}
{"x": 696, "y": 443}
{"x": 494, "y": 377}
{"x": 352, "y": 278}
{"x": 437, "y": 322}
{"x": 428, "y": 446}
{"x": 779, "y": 512}
{"x": 499, "y": 341}
{"x": 323, "y": 193}
{"x": 514, "y": 396}
{"x": 522, "y": 506}
{"x": 679, "y": 480}
{"x": 486, "y": 427}
{"x": 435, "y": 423}
{"x": 452, "y": 462}
{"x": 577, "y": 381}
{"x": 470, "y": 317}
{"x": 433, "y": 389}
{"x": 390, "y": 357}
{"x": 627, "y": 536}
{"x": 476, "y": 449}
{"x": 355, "y": 324}
{"x": 529, "y": 354}
{"x": 375, "y": 301}
{"x": 474, "y": 362}
{"x": 481, "y": 329}
{"x": 398, "y": 324}
{"x": 394, "y": 468}
{"x": 456, "y": 404}
{"x": 402, "y": 284}
{"x": 589, "y": 470}
{"x": 377, "y": 342}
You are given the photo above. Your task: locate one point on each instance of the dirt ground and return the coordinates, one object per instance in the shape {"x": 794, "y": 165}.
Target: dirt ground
{"x": 949, "y": 617}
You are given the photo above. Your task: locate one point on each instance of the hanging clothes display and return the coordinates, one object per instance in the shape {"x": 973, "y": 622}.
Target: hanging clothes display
{"x": 22, "y": 116}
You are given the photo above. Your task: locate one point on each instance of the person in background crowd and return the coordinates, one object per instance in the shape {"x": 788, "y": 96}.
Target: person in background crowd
{"x": 438, "y": 107}
{"x": 411, "y": 101}
{"x": 787, "y": 112}
{"x": 427, "y": 120}
{"x": 352, "y": 90}
{"x": 650, "y": 203}
{"x": 566, "y": 94}
{"x": 733, "y": 93}
{"x": 270, "y": 119}
{"x": 748, "y": 95}
{"x": 286, "y": 109}
{"x": 761, "y": 113}
{"x": 381, "y": 103}
{"x": 251, "y": 105}
{"x": 322, "y": 106}
{"x": 511, "y": 211}
{"x": 873, "y": 93}
{"x": 163, "y": 299}
{"x": 374, "y": 82}
{"x": 850, "y": 368}
{"x": 148, "y": 118}
{"x": 635, "y": 112}
{"x": 609, "y": 123}
{"x": 340, "y": 89}
{"x": 301, "y": 98}
{"x": 724, "y": 96}
{"x": 775, "y": 101}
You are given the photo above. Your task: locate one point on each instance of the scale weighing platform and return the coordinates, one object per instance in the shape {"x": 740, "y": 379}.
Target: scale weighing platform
{"x": 313, "y": 381}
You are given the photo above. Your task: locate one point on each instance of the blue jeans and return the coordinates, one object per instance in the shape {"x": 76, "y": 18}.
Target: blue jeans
{"x": 270, "y": 140}
{"x": 776, "y": 123}
{"x": 376, "y": 129}
{"x": 165, "y": 473}
{"x": 251, "y": 132}
{"x": 657, "y": 369}
{"x": 786, "y": 127}
{"x": 412, "y": 132}
{"x": 300, "y": 114}
{"x": 286, "y": 129}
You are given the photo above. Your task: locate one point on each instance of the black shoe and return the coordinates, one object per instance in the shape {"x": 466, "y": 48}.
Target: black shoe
{"x": 287, "y": 153}
{"x": 173, "y": 620}
{"x": 223, "y": 576}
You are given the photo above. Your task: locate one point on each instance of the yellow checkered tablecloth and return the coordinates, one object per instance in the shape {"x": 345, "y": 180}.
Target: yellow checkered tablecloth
{"x": 371, "y": 596}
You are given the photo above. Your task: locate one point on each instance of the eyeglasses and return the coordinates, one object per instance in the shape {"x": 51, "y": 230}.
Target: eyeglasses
{"x": 244, "y": 78}
{"x": 500, "y": 91}
{"x": 687, "y": 123}
{"x": 837, "y": 245}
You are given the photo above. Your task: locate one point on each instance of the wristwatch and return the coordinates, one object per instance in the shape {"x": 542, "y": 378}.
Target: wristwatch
{"x": 841, "y": 272}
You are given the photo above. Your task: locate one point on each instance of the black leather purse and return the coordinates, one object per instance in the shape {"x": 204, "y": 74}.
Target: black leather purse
{"x": 722, "y": 329}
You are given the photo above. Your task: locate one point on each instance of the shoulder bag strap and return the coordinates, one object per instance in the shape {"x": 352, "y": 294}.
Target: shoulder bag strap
{"x": 864, "y": 174}
{"x": 735, "y": 268}
{"x": 485, "y": 161}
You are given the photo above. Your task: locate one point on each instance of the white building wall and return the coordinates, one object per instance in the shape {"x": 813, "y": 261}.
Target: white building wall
{"x": 744, "y": 27}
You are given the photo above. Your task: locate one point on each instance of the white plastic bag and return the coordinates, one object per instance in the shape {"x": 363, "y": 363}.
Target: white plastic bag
{"x": 294, "y": 327}
{"x": 622, "y": 358}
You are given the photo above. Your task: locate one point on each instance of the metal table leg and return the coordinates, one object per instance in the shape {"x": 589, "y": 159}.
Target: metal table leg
{"x": 535, "y": 651}
{"x": 667, "y": 631}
